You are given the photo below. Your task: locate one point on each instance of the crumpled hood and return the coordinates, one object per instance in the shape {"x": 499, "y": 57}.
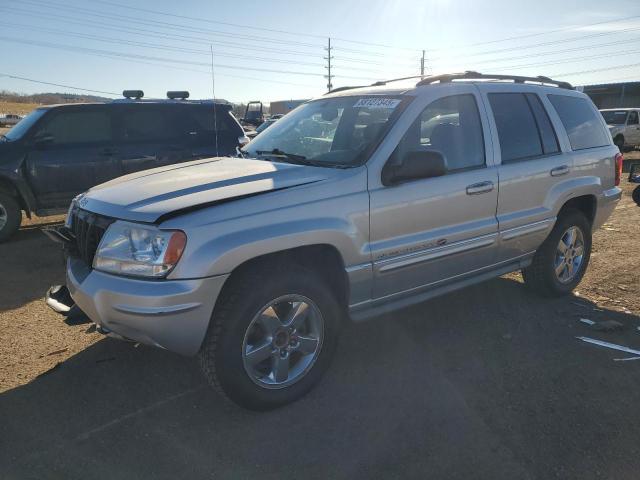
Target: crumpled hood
{"x": 147, "y": 195}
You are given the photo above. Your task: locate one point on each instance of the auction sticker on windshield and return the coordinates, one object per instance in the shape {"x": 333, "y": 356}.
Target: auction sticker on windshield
{"x": 377, "y": 103}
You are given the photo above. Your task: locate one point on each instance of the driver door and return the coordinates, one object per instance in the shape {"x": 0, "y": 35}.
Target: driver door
{"x": 427, "y": 231}
{"x": 77, "y": 155}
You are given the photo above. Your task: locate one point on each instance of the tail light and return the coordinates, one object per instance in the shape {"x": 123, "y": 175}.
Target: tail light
{"x": 619, "y": 158}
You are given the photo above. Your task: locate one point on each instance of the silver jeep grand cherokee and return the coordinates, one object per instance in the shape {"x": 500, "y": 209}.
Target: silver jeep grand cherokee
{"x": 360, "y": 202}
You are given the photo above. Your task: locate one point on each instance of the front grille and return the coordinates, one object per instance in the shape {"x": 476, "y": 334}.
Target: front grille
{"x": 88, "y": 229}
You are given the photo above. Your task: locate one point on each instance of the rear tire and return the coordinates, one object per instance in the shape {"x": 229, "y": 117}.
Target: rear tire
{"x": 10, "y": 216}
{"x": 559, "y": 264}
{"x": 250, "y": 316}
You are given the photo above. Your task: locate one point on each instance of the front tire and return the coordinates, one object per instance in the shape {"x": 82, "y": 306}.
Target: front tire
{"x": 10, "y": 216}
{"x": 272, "y": 336}
{"x": 561, "y": 261}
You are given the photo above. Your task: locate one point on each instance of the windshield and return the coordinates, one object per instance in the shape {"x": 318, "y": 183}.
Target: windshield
{"x": 612, "y": 117}
{"x": 333, "y": 131}
{"x": 25, "y": 124}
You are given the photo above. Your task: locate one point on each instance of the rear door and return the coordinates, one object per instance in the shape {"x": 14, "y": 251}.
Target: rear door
{"x": 150, "y": 135}
{"x": 428, "y": 231}
{"x": 531, "y": 165}
{"x": 203, "y": 123}
{"x": 78, "y": 154}
{"x": 633, "y": 128}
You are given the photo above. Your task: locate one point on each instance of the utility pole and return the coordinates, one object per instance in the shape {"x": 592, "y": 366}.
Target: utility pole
{"x": 422, "y": 65}
{"x": 328, "y": 58}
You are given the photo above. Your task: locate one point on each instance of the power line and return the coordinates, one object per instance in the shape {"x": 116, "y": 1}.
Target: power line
{"x": 100, "y": 52}
{"x": 141, "y": 21}
{"x": 150, "y": 22}
{"x": 154, "y": 33}
{"x": 7, "y": 75}
{"x": 236, "y": 25}
{"x": 153, "y": 45}
{"x": 595, "y": 70}
{"x": 573, "y": 59}
{"x": 547, "y": 32}
{"x": 148, "y": 57}
{"x": 554, "y": 42}
{"x": 556, "y": 52}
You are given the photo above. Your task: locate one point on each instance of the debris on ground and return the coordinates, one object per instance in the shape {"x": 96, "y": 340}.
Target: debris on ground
{"x": 613, "y": 346}
{"x": 604, "y": 325}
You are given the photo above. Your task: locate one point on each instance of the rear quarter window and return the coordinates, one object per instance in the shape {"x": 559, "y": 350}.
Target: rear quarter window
{"x": 581, "y": 122}
{"x": 205, "y": 120}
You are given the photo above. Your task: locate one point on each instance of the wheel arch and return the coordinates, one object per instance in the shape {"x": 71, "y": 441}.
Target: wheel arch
{"x": 10, "y": 188}
{"x": 322, "y": 258}
{"x": 587, "y": 204}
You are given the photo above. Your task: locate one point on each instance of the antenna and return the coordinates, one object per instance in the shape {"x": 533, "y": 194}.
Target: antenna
{"x": 213, "y": 92}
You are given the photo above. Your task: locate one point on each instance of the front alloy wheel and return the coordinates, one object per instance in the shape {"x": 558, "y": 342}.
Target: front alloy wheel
{"x": 272, "y": 335}
{"x": 283, "y": 341}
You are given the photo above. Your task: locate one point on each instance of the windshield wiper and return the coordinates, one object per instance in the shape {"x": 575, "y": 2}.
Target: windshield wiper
{"x": 299, "y": 159}
{"x": 276, "y": 152}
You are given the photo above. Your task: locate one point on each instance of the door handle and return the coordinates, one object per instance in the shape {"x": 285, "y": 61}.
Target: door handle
{"x": 556, "y": 172}
{"x": 478, "y": 188}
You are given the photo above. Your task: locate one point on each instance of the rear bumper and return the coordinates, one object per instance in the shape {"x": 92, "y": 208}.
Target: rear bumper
{"x": 171, "y": 314}
{"x": 606, "y": 204}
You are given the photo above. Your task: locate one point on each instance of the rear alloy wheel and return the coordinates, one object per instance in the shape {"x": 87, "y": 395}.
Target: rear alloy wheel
{"x": 569, "y": 255}
{"x": 561, "y": 261}
{"x": 10, "y": 216}
{"x": 271, "y": 337}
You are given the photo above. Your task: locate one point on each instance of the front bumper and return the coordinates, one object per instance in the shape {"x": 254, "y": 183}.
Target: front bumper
{"x": 171, "y": 314}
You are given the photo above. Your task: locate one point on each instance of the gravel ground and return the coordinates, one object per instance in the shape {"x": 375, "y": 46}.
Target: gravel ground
{"x": 496, "y": 386}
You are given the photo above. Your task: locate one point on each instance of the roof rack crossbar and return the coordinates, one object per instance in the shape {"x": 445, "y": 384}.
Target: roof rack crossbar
{"x": 470, "y": 75}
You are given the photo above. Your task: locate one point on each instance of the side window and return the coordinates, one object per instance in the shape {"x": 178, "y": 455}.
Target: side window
{"x": 78, "y": 127}
{"x": 452, "y": 126}
{"x": 633, "y": 118}
{"x": 147, "y": 124}
{"x": 579, "y": 118}
{"x": 205, "y": 121}
{"x": 547, "y": 133}
{"x": 517, "y": 128}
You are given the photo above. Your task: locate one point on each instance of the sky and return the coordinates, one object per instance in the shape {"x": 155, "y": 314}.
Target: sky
{"x": 276, "y": 50}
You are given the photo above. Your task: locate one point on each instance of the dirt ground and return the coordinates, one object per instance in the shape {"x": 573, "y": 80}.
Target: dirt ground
{"x": 502, "y": 390}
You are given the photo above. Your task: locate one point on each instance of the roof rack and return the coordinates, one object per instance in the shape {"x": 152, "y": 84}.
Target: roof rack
{"x": 340, "y": 89}
{"x": 380, "y": 83}
{"x": 470, "y": 75}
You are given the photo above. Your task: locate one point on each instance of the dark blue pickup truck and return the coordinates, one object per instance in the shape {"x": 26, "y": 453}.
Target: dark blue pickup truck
{"x": 59, "y": 151}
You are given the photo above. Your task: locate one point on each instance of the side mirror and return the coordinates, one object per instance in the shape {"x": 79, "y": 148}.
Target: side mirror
{"x": 42, "y": 139}
{"x": 415, "y": 165}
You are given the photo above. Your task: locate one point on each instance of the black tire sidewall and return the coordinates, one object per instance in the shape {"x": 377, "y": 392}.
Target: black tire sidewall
{"x": 572, "y": 218}
{"x": 14, "y": 216}
{"x": 619, "y": 142}
{"x": 635, "y": 195}
{"x": 250, "y": 298}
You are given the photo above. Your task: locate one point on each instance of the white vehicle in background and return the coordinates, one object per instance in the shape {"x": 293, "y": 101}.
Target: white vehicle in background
{"x": 9, "y": 120}
{"x": 624, "y": 125}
